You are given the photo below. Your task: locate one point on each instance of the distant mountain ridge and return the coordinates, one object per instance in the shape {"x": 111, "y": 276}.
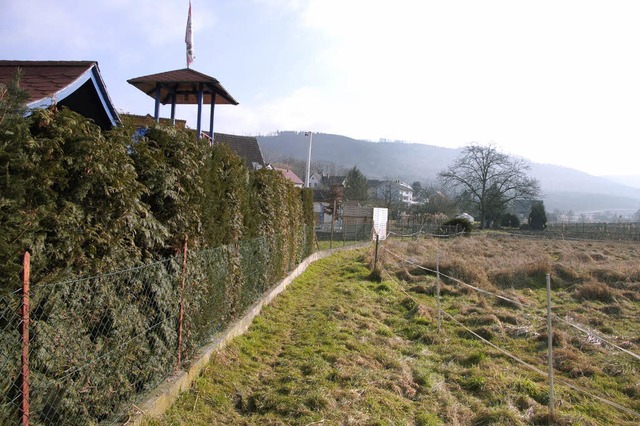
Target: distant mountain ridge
{"x": 563, "y": 188}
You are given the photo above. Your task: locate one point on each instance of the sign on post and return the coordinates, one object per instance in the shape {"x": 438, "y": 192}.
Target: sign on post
{"x": 380, "y": 222}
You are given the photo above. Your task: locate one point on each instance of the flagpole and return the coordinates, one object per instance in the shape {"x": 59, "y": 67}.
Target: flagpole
{"x": 188, "y": 38}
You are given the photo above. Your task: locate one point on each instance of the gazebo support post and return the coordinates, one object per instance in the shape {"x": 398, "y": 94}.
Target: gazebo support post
{"x": 200, "y": 95}
{"x": 213, "y": 105}
{"x": 156, "y": 111}
{"x": 173, "y": 109}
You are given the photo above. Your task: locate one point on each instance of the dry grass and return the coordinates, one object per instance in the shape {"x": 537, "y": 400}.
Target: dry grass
{"x": 504, "y": 262}
{"x": 344, "y": 347}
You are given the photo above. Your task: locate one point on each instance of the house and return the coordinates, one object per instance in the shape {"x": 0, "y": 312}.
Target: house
{"x": 322, "y": 180}
{"x": 322, "y": 204}
{"x": 291, "y": 177}
{"x": 148, "y": 120}
{"x": 77, "y": 85}
{"x": 392, "y": 191}
{"x": 315, "y": 180}
{"x": 246, "y": 147}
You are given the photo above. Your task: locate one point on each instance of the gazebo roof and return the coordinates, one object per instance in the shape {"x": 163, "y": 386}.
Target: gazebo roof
{"x": 185, "y": 83}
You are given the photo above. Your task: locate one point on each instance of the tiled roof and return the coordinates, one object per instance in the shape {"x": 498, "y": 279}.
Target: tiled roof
{"x": 246, "y": 147}
{"x": 147, "y": 120}
{"x": 185, "y": 84}
{"x": 75, "y": 84}
{"x": 335, "y": 180}
{"x": 321, "y": 195}
{"x": 291, "y": 176}
{"x": 42, "y": 79}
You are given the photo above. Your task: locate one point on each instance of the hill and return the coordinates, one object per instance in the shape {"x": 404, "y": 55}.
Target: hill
{"x": 563, "y": 188}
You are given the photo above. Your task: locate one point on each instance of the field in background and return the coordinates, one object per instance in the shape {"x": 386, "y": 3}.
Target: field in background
{"x": 338, "y": 348}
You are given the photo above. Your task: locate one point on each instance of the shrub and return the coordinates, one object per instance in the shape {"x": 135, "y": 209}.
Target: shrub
{"x": 510, "y": 220}
{"x": 89, "y": 202}
{"x": 459, "y": 223}
{"x": 537, "y": 216}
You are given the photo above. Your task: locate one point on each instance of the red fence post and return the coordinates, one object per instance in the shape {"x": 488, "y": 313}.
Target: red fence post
{"x": 184, "y": 274}
{"x": 26, "y": 272}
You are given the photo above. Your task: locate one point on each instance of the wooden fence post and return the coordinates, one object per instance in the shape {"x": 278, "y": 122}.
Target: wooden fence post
{"x": 26, "y": 272}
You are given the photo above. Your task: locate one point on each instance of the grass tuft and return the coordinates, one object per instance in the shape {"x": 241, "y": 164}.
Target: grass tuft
{"x": 341, "y": 348}
{"x": 595, "y": 291}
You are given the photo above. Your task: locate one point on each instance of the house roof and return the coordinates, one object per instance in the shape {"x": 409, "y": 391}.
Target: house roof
{"x": 185, "y": 83}
{"x": 77, "y": 85}
{"x": 335, "y": 180}
{"x": 147, "y": 120}
{"x": 321, "y": 195}
{"x": 246, "y": 147}
{"x": 291, "y": 176}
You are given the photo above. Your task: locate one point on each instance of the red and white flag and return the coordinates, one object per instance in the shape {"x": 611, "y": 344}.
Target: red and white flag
{"x": 188, "y": 38}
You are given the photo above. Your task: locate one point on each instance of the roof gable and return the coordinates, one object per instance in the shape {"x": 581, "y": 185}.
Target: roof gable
{"x": 290, "y": 175}
{"x": 77, "y": 85}
{"x": 246, "y": 147}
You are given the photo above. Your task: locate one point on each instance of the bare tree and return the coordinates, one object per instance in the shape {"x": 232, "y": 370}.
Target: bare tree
{"x": 489, "y": 180}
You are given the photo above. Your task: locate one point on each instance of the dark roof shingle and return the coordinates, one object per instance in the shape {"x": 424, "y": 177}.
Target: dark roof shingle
{"x": 246, "y": 147}
{"x": 42, "y": 79}
{"x": 77, "y": 85}
{"x": 185, "y": 84}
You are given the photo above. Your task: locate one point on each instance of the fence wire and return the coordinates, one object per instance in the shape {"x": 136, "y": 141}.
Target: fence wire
{"x": 98, "y": 344}
{"x": 10, "y": 363}
{"x": 536, "y": 311}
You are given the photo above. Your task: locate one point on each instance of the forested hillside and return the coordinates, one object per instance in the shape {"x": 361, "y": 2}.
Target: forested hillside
{"x": 563, "y": 188}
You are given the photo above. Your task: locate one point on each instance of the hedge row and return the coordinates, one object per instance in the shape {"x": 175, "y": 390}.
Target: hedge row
{"x": 85, "y": 203}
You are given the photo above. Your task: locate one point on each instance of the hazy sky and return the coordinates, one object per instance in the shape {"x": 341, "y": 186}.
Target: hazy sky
{"x": 553, "y": 81}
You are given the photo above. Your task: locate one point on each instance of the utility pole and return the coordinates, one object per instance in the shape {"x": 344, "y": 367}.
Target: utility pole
{"x": 306, "y": 181}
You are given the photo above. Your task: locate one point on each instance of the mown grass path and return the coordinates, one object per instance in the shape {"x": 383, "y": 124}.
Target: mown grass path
{"x": 331, "y": 350}
{"x": 339, "y": 349}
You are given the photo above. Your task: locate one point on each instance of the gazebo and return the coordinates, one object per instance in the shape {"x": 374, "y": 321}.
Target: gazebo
{"x": 185, "y": 86}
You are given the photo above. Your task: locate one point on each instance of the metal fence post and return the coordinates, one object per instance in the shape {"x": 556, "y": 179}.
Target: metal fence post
{"x": 26, "y": 272}
{"x": 333, "y": 218}
{"x": 181, "y": 315}
{"x": 438, "y": 288}
{"x": 550, "y": 344}
{"x": 344, "y": 231}
{"x": 375, "y": 258}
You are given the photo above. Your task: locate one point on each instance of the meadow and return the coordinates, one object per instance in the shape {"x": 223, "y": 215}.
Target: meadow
{"x": 344, "y": 345}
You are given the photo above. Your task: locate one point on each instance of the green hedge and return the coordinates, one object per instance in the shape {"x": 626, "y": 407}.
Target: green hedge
{"x": 87, "y": 203}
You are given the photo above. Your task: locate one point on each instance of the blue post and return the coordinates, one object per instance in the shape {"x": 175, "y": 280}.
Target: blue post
{"x": 156, "y": 114}
{"x": 213, "y": 105}
{"x": 173, "y": 109}
{"x": 200, "y": 93}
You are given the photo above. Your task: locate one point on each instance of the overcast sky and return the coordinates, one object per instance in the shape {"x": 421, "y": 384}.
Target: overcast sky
{"x": 552, "y": 81}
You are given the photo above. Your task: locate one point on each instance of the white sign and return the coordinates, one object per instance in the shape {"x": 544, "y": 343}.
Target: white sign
{"x": 380, "y": 222}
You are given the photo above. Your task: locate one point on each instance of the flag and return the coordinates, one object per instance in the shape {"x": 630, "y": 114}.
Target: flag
{"x": 188, "y": 38}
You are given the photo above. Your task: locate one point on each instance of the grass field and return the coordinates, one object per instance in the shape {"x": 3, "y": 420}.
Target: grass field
{"x": 339, "y": 348}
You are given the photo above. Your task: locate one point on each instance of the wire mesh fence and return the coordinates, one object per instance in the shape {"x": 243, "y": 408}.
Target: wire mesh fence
{"x": 10, "y": 363}
{"x": 343, "y": 233}
{"x": 97, "y": 344}
{"x": 623, "y": 370}
{"x": 628, "y": 231}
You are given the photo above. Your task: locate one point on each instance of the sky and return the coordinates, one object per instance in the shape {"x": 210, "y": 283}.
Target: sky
{"x": 555, "y": 82}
